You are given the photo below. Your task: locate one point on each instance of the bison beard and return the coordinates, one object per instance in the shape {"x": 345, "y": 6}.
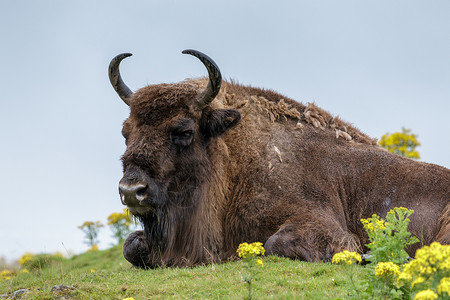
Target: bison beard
{"x": 175, "y": 234}
{"x": 168, "y": 233}
{"x": 210, "y": 164}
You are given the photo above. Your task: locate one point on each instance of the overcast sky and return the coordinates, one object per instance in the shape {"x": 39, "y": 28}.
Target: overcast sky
{"x": 378, "y": 64}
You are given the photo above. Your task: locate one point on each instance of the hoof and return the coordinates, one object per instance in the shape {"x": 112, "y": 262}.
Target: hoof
{"x": 135, "y": 249}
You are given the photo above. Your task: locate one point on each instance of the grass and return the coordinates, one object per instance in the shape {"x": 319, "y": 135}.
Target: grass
{"x": 107, "y": 275}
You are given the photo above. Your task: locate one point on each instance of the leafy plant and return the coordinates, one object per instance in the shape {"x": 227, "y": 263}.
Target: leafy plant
{"x": 120, "y": 224}
{"x": 359, "y": 289}
{"x": 386, "y": 274}
{"x": 91, "y": 230}
{"x": 389, "y": 238}
{"x": 250, "y": 254}
{"x": 388, "y": 241}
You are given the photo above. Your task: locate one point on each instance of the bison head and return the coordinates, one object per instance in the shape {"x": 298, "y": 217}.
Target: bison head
{"x": 168, "y": 136}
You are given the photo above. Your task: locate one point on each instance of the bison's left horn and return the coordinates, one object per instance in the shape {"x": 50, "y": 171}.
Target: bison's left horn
{"x": 116, "y": 80}
{"x": 215, "y": 79}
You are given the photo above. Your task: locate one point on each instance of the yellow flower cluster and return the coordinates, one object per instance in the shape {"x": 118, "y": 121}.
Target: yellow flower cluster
{"x": 426, "y": 295}
{"x": 246, "y": 250}
{"x": 58, "y": 254}
{"x": 87, "y": 224}
{"x": 115, "y": 218}
{"x": 26, "y": 257}
{"x": 429, "y": 260}
{"x": 444, "y": 286}
{"x": 416, "y": 281}
{"x": 259, "y": 262}
{"x": 93, "y": 248}
{"x": 431, "y": 264}
{"x": 401, "y": 143}
{"x": 6, "y": 274}
{"x": 371, "y": 224}
{"x": 346, "y": 257}
{"x": 384, "y": 269}
{"x": 400, "y": 210}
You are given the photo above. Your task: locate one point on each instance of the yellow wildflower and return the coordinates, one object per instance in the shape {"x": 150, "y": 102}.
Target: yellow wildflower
{"x": 426, "y": 295}
{"x": 401, "y": 209}
{"x": 26, "y": 257}
{"x": 6, "y": 274}
{"x": 58, "y": 254}
{"x": 24, "y": 271}
{"x": 118, "y": 217}
{"x": 384, "y": 269}
{"x": 250, "y": 250}
{"x": 444, "y": 286}
{"x": 346, "y": 257}
{"x": 92, "y": 270}
{"x": 402, "y": 143}
{"x": 114, "y": 218}
{"x": 259, "y": 262}
{"x": 418, "y": 280}
{"x": 97, "y": 224}
{"x": 93, "y": 248}
{"x": 374, "y": 223}
{"x": 86, "y": 224}
{"x": 129, "y": 298}
{"x": 431, "y": 264}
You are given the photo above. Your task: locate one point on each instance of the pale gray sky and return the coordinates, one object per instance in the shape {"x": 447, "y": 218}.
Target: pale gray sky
{"x": 378, "y": 64}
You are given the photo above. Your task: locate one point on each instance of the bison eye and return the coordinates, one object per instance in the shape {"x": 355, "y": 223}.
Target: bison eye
{"x": 182, "y": 137}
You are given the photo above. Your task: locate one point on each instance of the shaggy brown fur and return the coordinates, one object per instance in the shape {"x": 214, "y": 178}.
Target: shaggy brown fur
{"x": 258, "y": 166}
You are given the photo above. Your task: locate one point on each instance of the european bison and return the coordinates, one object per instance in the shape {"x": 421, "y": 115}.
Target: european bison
{"x": 207, "y": 168}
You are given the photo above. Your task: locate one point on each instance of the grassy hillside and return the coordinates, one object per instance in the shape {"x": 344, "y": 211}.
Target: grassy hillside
{"x": 106, "y": 275}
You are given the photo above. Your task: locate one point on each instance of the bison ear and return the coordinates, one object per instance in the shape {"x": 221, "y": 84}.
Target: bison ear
{"x": 216, "y": 122}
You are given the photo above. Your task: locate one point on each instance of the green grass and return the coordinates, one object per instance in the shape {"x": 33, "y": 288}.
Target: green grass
{"x": 114, "y": 278}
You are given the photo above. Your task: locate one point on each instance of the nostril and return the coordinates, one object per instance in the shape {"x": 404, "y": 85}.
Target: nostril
{"x": 141, "y": 193}
{"x": 132, "y": 194}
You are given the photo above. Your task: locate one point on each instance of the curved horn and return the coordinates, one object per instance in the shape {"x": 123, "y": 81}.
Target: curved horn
{"x": 215, "y": 78}
{"x": 116, "y": 80}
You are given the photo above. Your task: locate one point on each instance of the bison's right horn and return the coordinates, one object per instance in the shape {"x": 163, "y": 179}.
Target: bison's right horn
{"x": 215, "y": 79}
{"x": 116, "y": 80}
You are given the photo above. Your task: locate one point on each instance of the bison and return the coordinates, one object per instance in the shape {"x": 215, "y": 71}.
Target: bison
{"x": 210, "y": 164}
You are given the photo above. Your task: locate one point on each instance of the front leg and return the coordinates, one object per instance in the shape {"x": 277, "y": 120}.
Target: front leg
{"x": 311, "y": 240}
{"x": 135, "y": 249}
